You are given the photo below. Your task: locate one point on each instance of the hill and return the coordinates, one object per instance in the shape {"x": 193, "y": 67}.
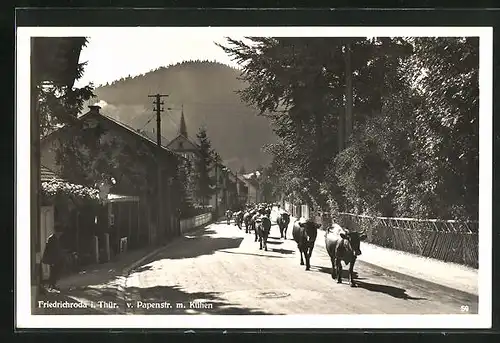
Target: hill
{"x": 205, "y": 91}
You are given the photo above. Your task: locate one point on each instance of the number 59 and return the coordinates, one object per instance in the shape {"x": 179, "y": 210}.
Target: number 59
{"x": 464, "y": 308}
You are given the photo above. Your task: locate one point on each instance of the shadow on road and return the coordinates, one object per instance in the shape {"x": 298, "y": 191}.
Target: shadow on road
{"x": 395, "y": 292}
{"x": 345, "y": 272}
{"x": 202, "y": 232}
{"x": 282, "y": 251}
{"x": 143, "y": 269}
{"x": 184, "y": 303}
{"x": 274, "y": 242}
{"x": 250, "y": 254}
{"x": 198, "y": 244}
{"x": 275, "y": 237}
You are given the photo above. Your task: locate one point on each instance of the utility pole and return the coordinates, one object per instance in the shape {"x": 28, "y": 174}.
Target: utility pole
{"x": 158, "y": 109}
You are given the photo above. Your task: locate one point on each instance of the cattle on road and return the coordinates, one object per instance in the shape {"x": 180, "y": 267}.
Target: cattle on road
{"x": 263, "y": 227}
{"x": 253, "y": 224}
{"x": 283, "y": 221}
{"x": 304, "y": 233}
{"x": 238, "y": 219}
{"x": 247, "y": 217}
{"x": 343, "y": 245}
{"x": 229, "y": 215}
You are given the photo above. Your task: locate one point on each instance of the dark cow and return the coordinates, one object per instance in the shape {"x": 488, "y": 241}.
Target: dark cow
{"x": 263, "y": 227}
{"x": 229, "y": 214}
{"x": 283, "y": 220}
{"x": 253, "y": 224}
{"x": 247, "y": 219}
{"x": 238, "y": 219}
{"x": 267, "y": 212}
{"x": 343, "y": 245}
{"x": 304, "y": 233}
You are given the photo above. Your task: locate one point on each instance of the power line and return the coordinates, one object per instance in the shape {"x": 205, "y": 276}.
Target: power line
{"x": 218, "y": 104}
{"x": 173, "y": 122}
{"x": 149, "y": 121}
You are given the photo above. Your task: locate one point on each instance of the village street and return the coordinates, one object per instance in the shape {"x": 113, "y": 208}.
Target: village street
{"x": 220, "y": 270}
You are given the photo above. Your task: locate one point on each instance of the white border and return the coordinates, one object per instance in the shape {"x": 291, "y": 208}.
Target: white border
{"x": 481, "y": 320}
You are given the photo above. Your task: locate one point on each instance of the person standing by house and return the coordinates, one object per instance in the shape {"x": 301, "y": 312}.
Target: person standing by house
{"x": 53, "y": 256}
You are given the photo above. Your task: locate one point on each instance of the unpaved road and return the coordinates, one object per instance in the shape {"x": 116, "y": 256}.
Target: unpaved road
{"x": 220, "y": 270}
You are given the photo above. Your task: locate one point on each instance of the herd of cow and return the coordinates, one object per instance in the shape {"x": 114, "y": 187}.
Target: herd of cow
{"x": 341, "y": 243}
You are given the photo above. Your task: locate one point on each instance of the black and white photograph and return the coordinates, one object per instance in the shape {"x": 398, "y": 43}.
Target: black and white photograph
{"x": 300, "y": 177}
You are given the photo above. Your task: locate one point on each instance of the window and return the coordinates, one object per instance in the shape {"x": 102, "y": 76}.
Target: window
{"x": 181, "y": 145}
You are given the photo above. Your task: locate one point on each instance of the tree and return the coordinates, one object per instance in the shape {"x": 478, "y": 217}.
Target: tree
{"x": 294, "y": 82}
{"x": 54, "y": 101}
{"x": 203, "y": 166}
{"x": 266, "y": 184}
{"x": 185, "y": 190}
{"x": 56, "y": 67}
{"x": 92, "y": 153}
{"x": 447, "y": 135}
{"x": 396, "y": 161}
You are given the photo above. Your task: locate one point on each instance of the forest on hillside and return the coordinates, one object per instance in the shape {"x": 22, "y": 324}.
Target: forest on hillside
{"x": 206, "y": 92}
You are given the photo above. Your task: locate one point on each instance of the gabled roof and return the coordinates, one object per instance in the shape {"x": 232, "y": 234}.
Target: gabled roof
{"x": 248, "y": 181}
{"x": 124, "y": 126}
{"x": 94, "y": 112}
{"x": 193, "y": 146}
{"x": 255, "y": 174}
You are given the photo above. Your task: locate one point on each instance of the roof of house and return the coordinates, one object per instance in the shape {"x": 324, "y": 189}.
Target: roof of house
{"x": 46, "y": 175}
{"x": 152, "y": 136}
{"x": 181, "y": 136}
{"x": 248, "y": 181}
{"x": 126, "y": 127}
{"x": 256, "y": 174}
{"x": 94, "y": 111}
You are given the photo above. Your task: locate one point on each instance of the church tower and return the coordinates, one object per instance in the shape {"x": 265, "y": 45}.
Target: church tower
{"x": 183, "y": 128}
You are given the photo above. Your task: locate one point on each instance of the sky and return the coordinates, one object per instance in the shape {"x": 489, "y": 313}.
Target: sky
{"x": 113, "y": 55}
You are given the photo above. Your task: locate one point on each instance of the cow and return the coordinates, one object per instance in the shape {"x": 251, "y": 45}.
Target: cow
{"x": 253, "y": 223}
{"x": 238, "y": 219}
{"x": 229, "y": 214}
{"x": 343, "y": 245}
{"x": 267, "y": 211}
{"x": 283, "y": 220}
{"x": 263, "y": 227}
{"x": 304, "y": 234}
{"x": 247, "y": 219}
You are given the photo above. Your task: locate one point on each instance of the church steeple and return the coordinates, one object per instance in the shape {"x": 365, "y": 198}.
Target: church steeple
{"x": 183, "y": 128}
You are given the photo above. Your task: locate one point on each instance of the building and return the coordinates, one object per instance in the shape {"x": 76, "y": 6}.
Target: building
{"x": 184, "y": 146}
{"x": 133, "y": 158}
{"x": 82, "y": 214}
{"x": 251, "y": 182}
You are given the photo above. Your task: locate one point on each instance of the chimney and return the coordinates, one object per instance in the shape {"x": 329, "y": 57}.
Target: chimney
{"x": 95, "y": 108}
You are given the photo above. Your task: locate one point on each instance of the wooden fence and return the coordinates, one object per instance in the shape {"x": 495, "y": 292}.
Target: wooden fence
{"x": 194, "y": 222}
{"x": 446, "y": 240}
